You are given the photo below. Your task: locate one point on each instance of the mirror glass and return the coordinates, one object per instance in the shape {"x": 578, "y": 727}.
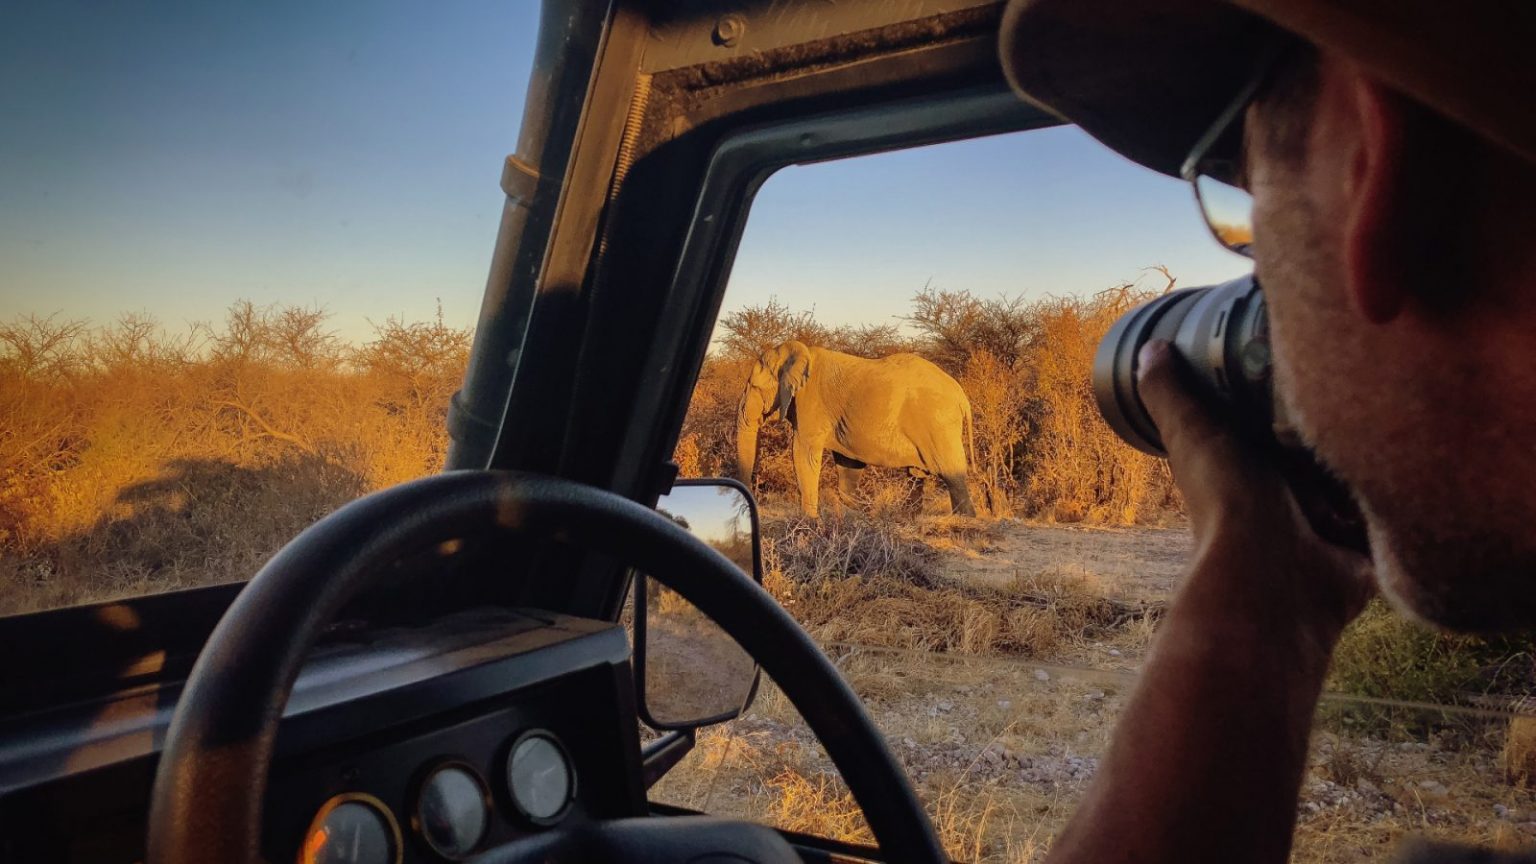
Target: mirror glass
{"x": 693, "y": 672}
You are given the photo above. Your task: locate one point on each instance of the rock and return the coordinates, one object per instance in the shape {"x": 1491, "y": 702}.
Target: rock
{"x": 946, "y": 706}
{"x": 1094, "y": 696}
{"x": 1114, "y": 652}
{"x": 1500, "y": 811}
{"x": 1042, "y": 675}
{"x": 1434, "y": 789}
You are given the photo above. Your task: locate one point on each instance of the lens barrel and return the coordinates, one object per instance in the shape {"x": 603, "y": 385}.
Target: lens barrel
{"x": 1222, "y": 331}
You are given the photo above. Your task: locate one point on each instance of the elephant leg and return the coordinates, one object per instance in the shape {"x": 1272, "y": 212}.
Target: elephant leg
{"x": 848, "y": 473}
{"x": 808, "y": 474}
{"x": 959, "y": 494}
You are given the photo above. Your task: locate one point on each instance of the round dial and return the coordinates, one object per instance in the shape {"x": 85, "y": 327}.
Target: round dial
{"x": 451, "y": 811}
{"x": 352, "y": 829}
{"x": 540, "y": 780}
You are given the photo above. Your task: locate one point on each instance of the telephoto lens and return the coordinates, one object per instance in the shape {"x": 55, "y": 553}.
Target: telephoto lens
{"x": 1222, "y": 332}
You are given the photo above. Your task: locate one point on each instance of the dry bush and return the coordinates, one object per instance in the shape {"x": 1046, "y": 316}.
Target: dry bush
{"x": 1518, "y": 757}
{"x": 812, "y": 551}
{"x": 1075, "y": 467}
{"x": 874, "y": 583}
{"x": 134, "y": 459}
{"x": 1001, "y": 427}
{"x": 707, "y": 443}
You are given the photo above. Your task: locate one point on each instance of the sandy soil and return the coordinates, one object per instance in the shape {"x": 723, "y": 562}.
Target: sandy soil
{"x": 1001, "y": 749}
{"x": 1124, "y": 563}
{"x": 1002, "y": 752}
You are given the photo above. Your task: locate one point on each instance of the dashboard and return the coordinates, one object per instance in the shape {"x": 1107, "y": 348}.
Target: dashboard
{"x": 423, "y": 744}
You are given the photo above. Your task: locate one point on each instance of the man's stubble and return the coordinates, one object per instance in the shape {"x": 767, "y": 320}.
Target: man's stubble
{"x": 1406, "y": 425}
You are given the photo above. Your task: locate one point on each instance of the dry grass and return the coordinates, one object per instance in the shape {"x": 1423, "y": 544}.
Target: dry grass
{"x": 946, "y": 716}
{"x": 866, "y": 582}
{"x": 1518, "y": 756}
{"x": 136, "y": 460}
{"x": 990, "y": 742}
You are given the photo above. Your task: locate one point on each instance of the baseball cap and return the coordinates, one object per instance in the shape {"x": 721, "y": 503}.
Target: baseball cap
{"x": 1147, "y": 77}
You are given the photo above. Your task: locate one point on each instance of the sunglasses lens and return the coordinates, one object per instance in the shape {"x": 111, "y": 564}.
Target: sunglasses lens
{"x": 1228, "y": 211}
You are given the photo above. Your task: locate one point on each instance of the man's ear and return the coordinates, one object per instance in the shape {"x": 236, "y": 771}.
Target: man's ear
{"x": 1382, "y": 216}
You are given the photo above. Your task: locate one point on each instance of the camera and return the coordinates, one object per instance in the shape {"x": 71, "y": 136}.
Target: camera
{"x": 1222, "y": 332}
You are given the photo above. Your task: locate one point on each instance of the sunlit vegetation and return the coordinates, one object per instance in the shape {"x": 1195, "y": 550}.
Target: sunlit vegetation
{"x": 1042, "y": 449}
{"x": 136, "y": 458}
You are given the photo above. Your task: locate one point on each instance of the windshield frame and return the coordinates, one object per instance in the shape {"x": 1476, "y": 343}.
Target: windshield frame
{"x": 687, "y": 178}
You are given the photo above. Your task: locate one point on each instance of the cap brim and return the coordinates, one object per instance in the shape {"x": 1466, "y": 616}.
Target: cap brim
{"x": 1145, "y": 77}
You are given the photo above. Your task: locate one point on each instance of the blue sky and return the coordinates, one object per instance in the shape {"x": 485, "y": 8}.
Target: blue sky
{"x": 175, "y": 157}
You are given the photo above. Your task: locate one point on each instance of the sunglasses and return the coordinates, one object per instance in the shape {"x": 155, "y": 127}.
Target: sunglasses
{"x": 1215, "y": 168}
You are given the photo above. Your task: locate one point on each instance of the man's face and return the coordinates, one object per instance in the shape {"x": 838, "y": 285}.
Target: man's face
{"x": 1404, "y": 411}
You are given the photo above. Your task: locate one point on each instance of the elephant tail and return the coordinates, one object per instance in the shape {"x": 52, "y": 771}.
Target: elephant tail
{"x": 970, "y": 434}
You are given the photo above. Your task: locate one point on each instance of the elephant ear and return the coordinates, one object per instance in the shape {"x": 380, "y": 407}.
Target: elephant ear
{"x": 793, "y": 373}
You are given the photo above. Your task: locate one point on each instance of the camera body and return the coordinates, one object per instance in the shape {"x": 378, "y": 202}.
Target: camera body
{"x": 1222, "y": 332}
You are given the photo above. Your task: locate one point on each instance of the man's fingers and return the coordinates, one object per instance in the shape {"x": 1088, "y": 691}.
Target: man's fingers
{"x": 1181, "y": 417}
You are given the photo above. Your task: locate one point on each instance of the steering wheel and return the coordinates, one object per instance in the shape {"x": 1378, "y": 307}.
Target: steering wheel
{"x": 207, "y": 797}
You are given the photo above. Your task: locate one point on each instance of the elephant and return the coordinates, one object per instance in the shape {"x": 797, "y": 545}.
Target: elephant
{"x": 900, "y": 411}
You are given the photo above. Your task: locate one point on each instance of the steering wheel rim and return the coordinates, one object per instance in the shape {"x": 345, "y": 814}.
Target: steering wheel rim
{"x": 212, "y": 775}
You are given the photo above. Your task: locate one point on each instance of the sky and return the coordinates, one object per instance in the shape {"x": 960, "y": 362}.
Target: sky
{"x": 172, "y": 158}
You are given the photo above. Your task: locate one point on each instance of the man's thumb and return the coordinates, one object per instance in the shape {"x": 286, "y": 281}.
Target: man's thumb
{"x": 1161, "y": 382}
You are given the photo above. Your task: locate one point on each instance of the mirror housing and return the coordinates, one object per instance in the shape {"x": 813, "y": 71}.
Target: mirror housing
{"x": 688, "y": 671}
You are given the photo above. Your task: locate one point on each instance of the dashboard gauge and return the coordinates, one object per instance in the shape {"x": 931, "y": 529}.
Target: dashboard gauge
{"x": 352, "y": 829}
{"x": 540, "y": 780}
{"x": 452, "y": 811}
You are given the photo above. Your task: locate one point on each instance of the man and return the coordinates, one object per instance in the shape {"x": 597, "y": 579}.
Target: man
{"x": 1389, "y": 147}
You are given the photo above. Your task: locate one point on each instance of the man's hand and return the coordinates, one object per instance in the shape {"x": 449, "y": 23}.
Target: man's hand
{"x": 1258, "y": 563}
{"x": 1207, "y": 759}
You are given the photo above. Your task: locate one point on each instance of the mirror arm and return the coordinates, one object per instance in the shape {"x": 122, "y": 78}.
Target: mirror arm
{"x": 663, "y": 754}
{"x": 666, "y": 477}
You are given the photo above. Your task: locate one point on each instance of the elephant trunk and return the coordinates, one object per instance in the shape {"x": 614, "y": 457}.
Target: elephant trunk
{"x": 748, "y": 419}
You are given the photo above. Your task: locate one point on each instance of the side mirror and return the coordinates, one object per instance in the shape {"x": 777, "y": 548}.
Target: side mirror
{"x": 690, "y": 672}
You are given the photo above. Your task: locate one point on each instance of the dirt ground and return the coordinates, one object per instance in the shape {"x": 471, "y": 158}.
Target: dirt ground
{"x": 1123, "y": 563}
{"x": 1002, "y": 748}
